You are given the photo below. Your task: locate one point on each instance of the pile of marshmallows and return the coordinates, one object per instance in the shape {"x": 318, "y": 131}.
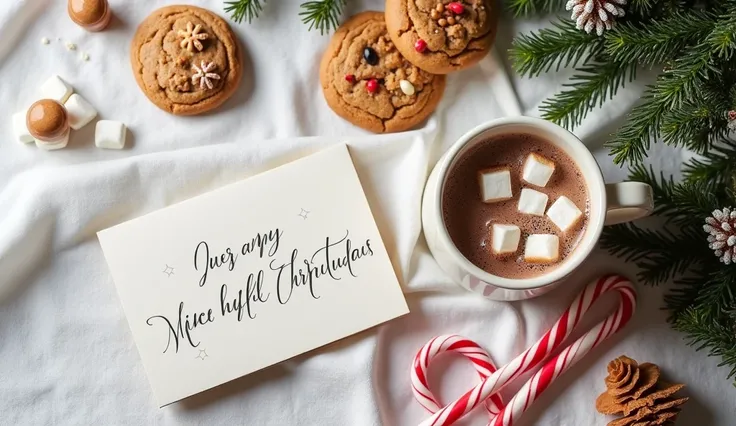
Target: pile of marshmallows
{"x": 64, "y": 110}
{"x": 496, "y": 186}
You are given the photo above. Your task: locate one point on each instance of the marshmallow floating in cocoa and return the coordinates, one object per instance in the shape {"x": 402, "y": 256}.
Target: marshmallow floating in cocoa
{"x": 532, "y": 202}
{"x": 505, "y": 239}
{"x": 542, "y": 248}
{"x": 495, "y": 184}
{"x": 537, "y": 170}
{"x": 564, "y": 213}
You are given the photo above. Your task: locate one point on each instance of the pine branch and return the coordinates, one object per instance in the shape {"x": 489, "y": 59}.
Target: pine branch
{"x": 322, "y": 15}
{"x": 692, "y": 125}
{"x": 688, "y": 74}
{"x": 243, "y": 9}
{"x": 530, "y": 7}
{"x": 717, "y": 165}
{"x": 685, "y": 290}
{"x": 718, "y": 291}
{"x": 715, "y": 335}
{"x": 660, "y": 254}
{"x": 632, "y": 141}
{"x": 591, "y": 87}
{"x": 684, "y": 204}
{"x": 641, "y": 6}
{"x": 562, "y": 45}
{"x": 659, "y": 40}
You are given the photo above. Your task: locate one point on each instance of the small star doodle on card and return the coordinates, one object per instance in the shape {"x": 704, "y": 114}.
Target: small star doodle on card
{"x": 202, "y": 354}
{"x": 304, "y": 214}
{"x": 169, "y": 271}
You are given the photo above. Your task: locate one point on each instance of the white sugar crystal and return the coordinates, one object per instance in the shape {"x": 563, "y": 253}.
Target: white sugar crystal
{"x": 542, "y": 248}
{"x": 20, "y": 129}
{"x": 57, "y": 89}
{"x": 110, "y": 134}
{"x": 532, "y": 202}
{"x": 50, "y": 146}
{"x": 80, "y": 111}
{"x": 505, "y": 238}
{"x": 537, "y": 170}
{"x": 495, "y": 184}
{"x": 564, "y": 213}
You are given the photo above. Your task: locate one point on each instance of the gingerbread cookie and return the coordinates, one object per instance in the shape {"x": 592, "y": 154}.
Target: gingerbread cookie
{"x": 369, "y": 83}
{"x": 186, "y": 59}
{"x": 442, "y": 36}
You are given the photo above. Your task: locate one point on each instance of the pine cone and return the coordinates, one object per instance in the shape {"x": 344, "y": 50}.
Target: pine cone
{"x": 636, "y": 392}
{"x": 597, "y": 15}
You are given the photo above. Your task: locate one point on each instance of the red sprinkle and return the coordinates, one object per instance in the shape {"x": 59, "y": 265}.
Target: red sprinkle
{"x": 456, "y": 7}
{"x": 371, "y": 85}
{"x": 420, "y": 46}
{"x": 350, "y": 78}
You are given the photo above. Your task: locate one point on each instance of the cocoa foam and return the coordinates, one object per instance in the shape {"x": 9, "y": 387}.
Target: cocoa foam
{"x": 468, "y": 220}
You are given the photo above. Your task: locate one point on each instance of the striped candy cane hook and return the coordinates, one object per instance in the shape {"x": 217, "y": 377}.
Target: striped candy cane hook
{"x": 493, "y": 380}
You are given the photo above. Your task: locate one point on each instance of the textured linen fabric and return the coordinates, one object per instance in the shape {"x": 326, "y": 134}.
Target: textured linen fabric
{"x": 67, "y": 356}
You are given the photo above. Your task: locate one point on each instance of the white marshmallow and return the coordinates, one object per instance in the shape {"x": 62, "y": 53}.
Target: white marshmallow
{"x": 564, "y": 213}
{"x": 50, "y": 146}
{"x": 542, "y": 248}
{"x": 532, "y": 202}
{"x": 537, "y": 170}
{"x": 80, "y": 111}
{"x": 22, "y": 134}
{"x": 57, "y": 89}
{"x": 495, "y": 184}
{"x": 505, "y": 239}
{"x": 110, "y": 134}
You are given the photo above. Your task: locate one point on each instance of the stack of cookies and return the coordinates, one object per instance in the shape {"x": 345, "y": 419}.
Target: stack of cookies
{"x": 386, "y": 72}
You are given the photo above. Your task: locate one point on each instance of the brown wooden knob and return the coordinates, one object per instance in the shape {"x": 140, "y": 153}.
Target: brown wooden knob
{"x": 47, "y": 120}
{"x": 93, "y": 15}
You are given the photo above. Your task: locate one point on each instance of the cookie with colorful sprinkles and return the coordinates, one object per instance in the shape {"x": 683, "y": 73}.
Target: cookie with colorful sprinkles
{"x": 367, "y": 81}
{"x": 442, "y": 36}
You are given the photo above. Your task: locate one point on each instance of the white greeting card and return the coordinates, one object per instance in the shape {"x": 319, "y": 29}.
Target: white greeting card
{"x": 252, "y": 274}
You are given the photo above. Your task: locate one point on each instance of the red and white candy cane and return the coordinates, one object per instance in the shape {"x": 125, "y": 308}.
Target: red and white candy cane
{"x": 486, "y": 392}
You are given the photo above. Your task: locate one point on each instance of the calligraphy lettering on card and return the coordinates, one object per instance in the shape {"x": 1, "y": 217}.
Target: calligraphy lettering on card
{"x": 285, "y": 262}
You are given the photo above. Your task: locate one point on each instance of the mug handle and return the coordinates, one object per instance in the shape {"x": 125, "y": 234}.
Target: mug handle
{"x": 628, "y": 201}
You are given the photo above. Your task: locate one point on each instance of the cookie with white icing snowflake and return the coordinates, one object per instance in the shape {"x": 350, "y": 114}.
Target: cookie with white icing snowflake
{"x": 186, "y": 59}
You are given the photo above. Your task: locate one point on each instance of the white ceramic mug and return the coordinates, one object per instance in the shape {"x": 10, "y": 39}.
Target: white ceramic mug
{"x": 608, "y": 204}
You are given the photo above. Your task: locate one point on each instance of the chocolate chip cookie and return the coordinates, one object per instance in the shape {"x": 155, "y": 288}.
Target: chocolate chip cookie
{"x": 186, "y": 59}
{"x": 442, "y": 36}
{"x": 369, "y": 83}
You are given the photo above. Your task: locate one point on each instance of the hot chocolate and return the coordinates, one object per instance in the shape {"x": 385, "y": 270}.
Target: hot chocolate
{"x": 475, "y": 198}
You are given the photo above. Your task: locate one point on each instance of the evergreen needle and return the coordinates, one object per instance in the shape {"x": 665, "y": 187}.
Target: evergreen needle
{"x": 243, "y": 9}
{"x": 322, "y": 15}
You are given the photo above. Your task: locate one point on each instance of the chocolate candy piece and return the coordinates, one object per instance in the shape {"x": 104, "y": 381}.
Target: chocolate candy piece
{"x": 370, "y": 56}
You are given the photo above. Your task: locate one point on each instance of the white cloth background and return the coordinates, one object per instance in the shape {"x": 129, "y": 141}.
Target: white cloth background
{"x": 66, "y": 353}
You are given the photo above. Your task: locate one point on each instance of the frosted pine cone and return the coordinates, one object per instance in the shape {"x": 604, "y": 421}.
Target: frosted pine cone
{"x": 595, "y": 14}
{"x": 722, "y": 229}
{"x": 731, "y": 117}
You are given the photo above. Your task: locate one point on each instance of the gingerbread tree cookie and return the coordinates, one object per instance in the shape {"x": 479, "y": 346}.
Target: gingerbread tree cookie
{"x": 635, "y": 392}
